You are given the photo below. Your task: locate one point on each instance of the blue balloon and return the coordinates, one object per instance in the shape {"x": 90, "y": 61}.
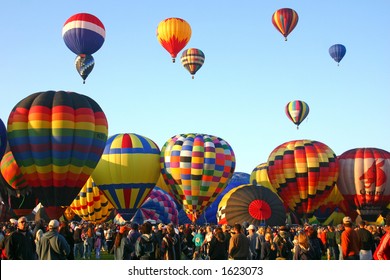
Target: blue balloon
{"x": 3, "y": 138}
{"x": 337, "y": 52}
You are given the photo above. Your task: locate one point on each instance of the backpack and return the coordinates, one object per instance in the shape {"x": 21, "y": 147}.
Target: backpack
{"x": 147, "y": 248}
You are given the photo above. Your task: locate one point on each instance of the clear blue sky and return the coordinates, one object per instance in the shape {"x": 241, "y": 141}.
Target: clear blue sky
{"x": 249, "y": 75}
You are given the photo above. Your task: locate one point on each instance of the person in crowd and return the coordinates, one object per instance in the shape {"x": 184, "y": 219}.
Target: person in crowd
{"x": 316, "y": 246}
{"x": 78, "y": 243}
{"x": 122, "y": 248}
{"x": 133, "y": 235}
{"x": 254, "y": 242}
{"x": 88, "y": 242}
{"x": 339, "y": 231}
{"x": 197, "y": 256}
{"x": 146, "y": 244}
{"x": 350, "y": 241}
{"x": 332, "y": 250}
{"x": 367, "y": 242}
{"x": 168, "y": 243}
{"x": 20, "y": 245}
{"x": 39, "y": 225}
{"x": 226, "y": 232}
{"x": 97, "y": 244}
{"x": 108, "y": 235}
{"x": 239, "y": 244}
{"x": 66, "y": 232}
{"x": 284, "y": 244}
{"x": 382, "y": 251}
{"x": 268, "y": 248}
{"x": 217, "y": 248}
{"x": 302, "y": 249}
{"x": 52, "y": 245}
{"x": 207, "y": 239}
{"x": 198, "y": 240}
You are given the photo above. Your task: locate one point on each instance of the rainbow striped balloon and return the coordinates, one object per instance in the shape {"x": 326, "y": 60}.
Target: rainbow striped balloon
{"x": 83, "y": 33}
{"x": 11, "y": 172}
{"x": 297, "y": 111}
{"x": 128, "y": 171}
{"x": 57, "y": 139}
{"x": 197, "y": 168}
{"x": 91, "y": 204}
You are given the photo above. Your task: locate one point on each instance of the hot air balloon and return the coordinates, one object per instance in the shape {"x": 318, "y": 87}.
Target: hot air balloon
{"x": 11, "y": 172}
{"x": 256, "y": 205}
{"x": 337, "y": 52}
{"x": 297, "y": 111}
{"x": 128, "y": 171}
{"x": 91, "y": 204}
{"x": 329, "y": 205}
{"x": 285, "y": 21}
{"x": 197, "y": 167}
{"x": 173, "y": 34}
{"x": 259, "y": 176}
{"x": 159, "y": 207}
{"x": 83, "y": 33}
{"x": 192, "y": 59}
{"x": 57, "y": 139}
{"x": 303, "y": 172}
{"x": 364, "y": 180}
{"x": 84, "y": 65}
{"x": 3, "y": 138}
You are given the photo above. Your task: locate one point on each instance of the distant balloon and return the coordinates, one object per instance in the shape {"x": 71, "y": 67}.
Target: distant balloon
{"x": 3, "y": 138}
{"x": 84, "y": 65}
{"x": 192, "y": 59}
{"x": 364, "y": 181}
{"x": 285, "y": 21}
{"x": 83, "y": 33}
{"x": 297, "y": 111}
{"x": 173, "y": 34}
{"x": 337, "y": 52}
{"x": 57, "y": 139}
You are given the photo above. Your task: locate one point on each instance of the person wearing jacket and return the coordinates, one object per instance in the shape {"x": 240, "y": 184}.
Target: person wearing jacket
{"x": 239, "y": 244}
{"x": 52, "y": 245}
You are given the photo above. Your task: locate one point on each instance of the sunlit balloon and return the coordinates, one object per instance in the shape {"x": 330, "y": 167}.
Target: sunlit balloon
{"x": 259, "y": 176}
{"x": 83, "y": 33}
{"x": 3, "y": 138}
{"x": 197, "y": 168}
{"x": 192, "y": 59}
{"x": 11, "y": 172}
{"x": 91, "y": 204}
{"x": 337, "y": 52}
{"x": 303, "y": 172}
{"x": 297, "y": 111}
{"x": 285, "y": 21}
{"x": 173, "y": 34}
{"x": 127, "y": 171}
{"x": 84, "y": 65}
{"x": 57, "y": 139}
{"x": 364, "y": 181}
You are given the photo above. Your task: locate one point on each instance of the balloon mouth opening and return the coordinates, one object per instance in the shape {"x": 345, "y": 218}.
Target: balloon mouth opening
{"x": 259, "y": 210}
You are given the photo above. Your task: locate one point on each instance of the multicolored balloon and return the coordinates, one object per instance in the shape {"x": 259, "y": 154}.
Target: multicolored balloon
{"x": 297, "y": 111}
{"x": 91, "y": 204}
{"x": 3, "y": 138}
{"x": 259, "y": 176}
{"x": 84, "y": 65}
{"x": 128, "y": 171}
{"x": 57, "y": 139}
{"x": 83, "y": 33}
{"x": 192, "y": 59}
{"x": 159, "y": 207}
{"x": 337, "y": 52}
{"x": 11, "y": 172}
{"x": 331, "y": 203}
{"x": 173, "y": 34}
{"x": 304, "y": 173}
{"x": 285, "y": 21}
{"x": 364, "y": 181}
{"x": 256, "y": 205}
{"x": 197, "y": 168}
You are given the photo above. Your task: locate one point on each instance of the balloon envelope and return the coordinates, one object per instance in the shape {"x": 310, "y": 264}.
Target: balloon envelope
{"x": 84, "y": 65}
{"x": 3, "y": 138}
{"x": 11, "y": 172}
{"x": 57, "y": 139}
{"x": 297, "y": 111}
{"x": 127, "y": 171}
{"x": 173, "y": 34}
{"x": 192, "y": 59}
{"x": 197, "y": 167}
{"x": 83, "y": 33}
{"x": 303, "y": 172}
{"x": 337, "y": 52}
{"x": 285, "y": 21}
{"x": 364, "y": 181}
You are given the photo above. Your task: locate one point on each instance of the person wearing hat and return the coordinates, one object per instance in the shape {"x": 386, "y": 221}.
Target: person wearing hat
{"x": 382, "y": 252}
{"x": 350, "y": 241}
{"x": 367, "y": 242}
{"x": 52, "y": 245}
{"x": 254, "y": 243}
{"x": 20, "y": 245}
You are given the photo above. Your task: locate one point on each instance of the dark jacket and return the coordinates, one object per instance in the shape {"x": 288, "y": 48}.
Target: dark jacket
{"x": 239, "y": 247}
{"x": 266, "y": 251}
{"x": 217, "y": 249}
{"x": 53, "y": 246}
{"x": 20, "y": 246}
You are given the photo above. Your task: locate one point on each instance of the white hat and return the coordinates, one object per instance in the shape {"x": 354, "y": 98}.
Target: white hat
{"x": 251, "y": 227}
{"x": 347, "y": 220}
{"x": 54, "y": 224}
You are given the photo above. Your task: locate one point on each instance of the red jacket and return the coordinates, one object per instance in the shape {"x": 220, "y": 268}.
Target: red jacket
{"x": 382, "y": 252}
